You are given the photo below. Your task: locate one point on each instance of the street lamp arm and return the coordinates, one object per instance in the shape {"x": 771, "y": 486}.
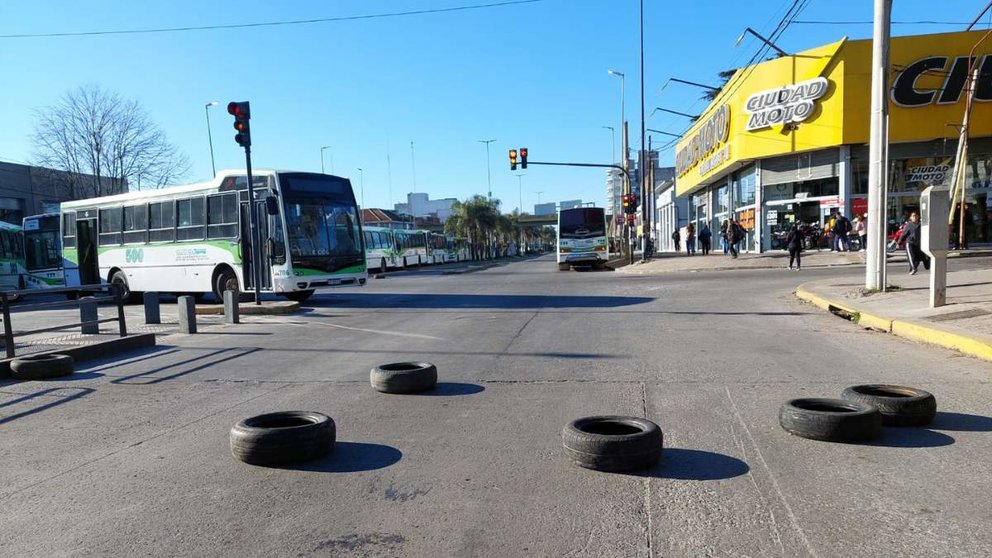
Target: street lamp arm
{"x": 760, "y": 38}
{"x": 690, "y": 116}
{"x": 664, "y": 133}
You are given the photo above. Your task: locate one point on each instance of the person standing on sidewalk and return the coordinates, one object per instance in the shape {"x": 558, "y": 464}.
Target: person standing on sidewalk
{"x": 861, "y": 228}
{"x": 704, "y": 239}
{"x": 911, "y": 236}
{"x": 723, "y": 236}
{"x": 677, "y": 239}
{"x": 733, "y": 236}
{"x": 690, "y": 239}
{"x": 843, "y": 227}
{"x": 794, "y": 243}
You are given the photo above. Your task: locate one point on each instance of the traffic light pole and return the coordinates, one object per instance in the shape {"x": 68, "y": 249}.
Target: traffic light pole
{"x": 256, "y": 269}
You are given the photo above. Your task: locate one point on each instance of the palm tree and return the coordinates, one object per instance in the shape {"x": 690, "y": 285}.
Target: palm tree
{"x": 475, "y": 219}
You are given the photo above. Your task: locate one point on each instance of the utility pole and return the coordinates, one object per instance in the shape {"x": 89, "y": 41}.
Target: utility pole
{"x": 413, "y": 165}
{"x": 878, "y": 147}
{"x": 389, "y": 175}
{"x": 489, "y": 175}
{"x": 645, "y": 160}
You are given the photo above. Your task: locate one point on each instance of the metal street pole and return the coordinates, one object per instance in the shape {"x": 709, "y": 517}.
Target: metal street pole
{"x": 878, "y": 149}
{"x": 520, "y": 185}
{"x": 322, "y": 159}
{"x": 489, "y": 176}
{"x": 613, "y": 143}
{"x": 645, "y": 159}
{"x": 362, "y": 175}
{"x": 206, "y": 109}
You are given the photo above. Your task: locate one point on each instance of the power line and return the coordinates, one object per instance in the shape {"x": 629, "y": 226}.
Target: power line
{"x": 869, "y": 22}
{"x": 268, "y": 23}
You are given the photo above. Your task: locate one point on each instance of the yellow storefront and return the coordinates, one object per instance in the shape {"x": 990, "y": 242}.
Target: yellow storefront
{"x": 786, "y": 140}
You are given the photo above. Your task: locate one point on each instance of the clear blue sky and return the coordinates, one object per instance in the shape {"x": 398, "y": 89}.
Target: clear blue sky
{"x": 531, "y": 75}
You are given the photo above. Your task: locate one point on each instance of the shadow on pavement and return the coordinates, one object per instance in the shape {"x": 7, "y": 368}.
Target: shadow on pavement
{"x": 961, "y": 422}
{"x": 699, "y": 465}
{"x": 435, "y": 301}
{"x": 352, "y": 457}
{"x": 66, "y": 395}
{"x": 105, "y": 364}
{"x": 79, "y": 376}
{"x": 142, "y": 379}
{"x": 911, "y": 438}
{"x": 452, "y": 388}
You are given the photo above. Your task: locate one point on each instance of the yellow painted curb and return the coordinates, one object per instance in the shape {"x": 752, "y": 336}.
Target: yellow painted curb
{"x": 864, "y": 319}
{"x": 975, "y": 345}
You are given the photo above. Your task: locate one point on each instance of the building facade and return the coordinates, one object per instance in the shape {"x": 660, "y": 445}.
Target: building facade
{"x": 785, "y": 142}
{"x": 420, "y": 205}
{"x": 28, "y": 190}
{"x": 670, "y": 213}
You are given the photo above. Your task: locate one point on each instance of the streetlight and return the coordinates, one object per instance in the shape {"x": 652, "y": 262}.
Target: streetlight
{"x": 539, "y": 196}
{"x": 520, "y": 186}
{"x": 322, "y": 159}
{"x": 621, "y": 76}
{"x": 489, "y": 176}
{"x": 362, "y": 175}
{"x": 206, "y": 110}
{"x": 760, "y": 38}
{"x": 613, "y": 140}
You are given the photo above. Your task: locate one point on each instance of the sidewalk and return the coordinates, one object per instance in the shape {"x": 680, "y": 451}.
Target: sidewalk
{"x": 776, "y": 259}
{"x": 964, "y": 324}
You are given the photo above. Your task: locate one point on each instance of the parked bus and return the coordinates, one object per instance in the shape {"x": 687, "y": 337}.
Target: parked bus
{"x": 456, "y": 248}
{"x": 437, "y": 248}
{"x": 195, "y": 238}
{"x": 381, "y": 251}
{"x": 43, "y": 252}
{"x": 582, "y": 238}
{"x": 11, "y": 257}
{"x": 411, "y": 247}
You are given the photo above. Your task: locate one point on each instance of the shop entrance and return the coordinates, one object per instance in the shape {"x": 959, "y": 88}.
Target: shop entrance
{"x": 809, "y": 215}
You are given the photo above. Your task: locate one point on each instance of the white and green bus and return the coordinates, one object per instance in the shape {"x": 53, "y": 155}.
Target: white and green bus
{"x": 195, "y": 238}
{"x": 582, "y": 238}
{"x": 11, "y": 257}
{"x": 43, "y": 252}
{"x": 381, "y": 251}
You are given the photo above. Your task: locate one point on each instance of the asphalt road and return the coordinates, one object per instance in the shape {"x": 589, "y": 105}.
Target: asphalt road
{"x": 130, "y": 457}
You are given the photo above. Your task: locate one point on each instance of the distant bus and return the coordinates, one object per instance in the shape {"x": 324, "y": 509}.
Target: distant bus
{"x": 411, "y": 247}
{"x": 381, "y": 251}
{"x": 456, "y": 249}
{"x": 11, "y": 257}
{"x": 582, "y": 238}
{"x": 195, "y": 238}
{"x": 437, "y": 248}
{"x": 43, "y": 252}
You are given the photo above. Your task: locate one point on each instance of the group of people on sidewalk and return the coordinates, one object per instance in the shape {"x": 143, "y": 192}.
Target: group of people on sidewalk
{"x": 731, "y": 235}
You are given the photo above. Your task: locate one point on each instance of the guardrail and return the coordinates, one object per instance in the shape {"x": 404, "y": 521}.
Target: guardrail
{"x": 84, "y": 295}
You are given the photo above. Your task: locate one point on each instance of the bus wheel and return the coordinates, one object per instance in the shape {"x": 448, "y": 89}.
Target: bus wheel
{"x": 299, "y": 296}
{"x": 118, "y": 278}
{"x": 226, "y": 281}
{"x": 382, "y": 265}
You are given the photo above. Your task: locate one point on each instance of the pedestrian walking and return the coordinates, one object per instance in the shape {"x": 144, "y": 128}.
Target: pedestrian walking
{"x": 677, "y": 239}
{"x": 690, "y": 239}
{"x": 723, "y": 236}
{"x": 704, "y": 239}
{"x": 794, "y": 243}
{"x": 733, "y": 235}
{"x": 842, "y": 228}
{"x": 861, "y": 228}
{"x": 911, "y": 236}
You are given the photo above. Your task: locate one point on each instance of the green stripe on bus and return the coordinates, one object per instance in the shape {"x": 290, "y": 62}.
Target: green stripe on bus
{"x": 303, "y": 271}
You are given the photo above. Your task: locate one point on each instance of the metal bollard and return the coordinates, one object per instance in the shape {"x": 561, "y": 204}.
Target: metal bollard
{"x": 187, "y": 314}
{"x": 88, "y": 313}
{"x": 232, "y": 310}
{"x": 152, "y": 314}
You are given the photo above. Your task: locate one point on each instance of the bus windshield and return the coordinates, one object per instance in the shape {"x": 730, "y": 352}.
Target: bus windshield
{"x": 322, "y": 221}
{"x": 582, "y": 223}
{"x": 41, "y": 243}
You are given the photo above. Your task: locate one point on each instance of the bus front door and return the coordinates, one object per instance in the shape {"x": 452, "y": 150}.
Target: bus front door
{"x": 247, "y": 255}
{"x": 89, "y": 264}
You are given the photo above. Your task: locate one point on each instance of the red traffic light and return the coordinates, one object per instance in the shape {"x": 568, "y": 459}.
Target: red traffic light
{"x": 523, "y": 157}
{"x": 239, "y": 110}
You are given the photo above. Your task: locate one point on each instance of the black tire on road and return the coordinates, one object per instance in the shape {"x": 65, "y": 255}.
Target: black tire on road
{"x": 831, "y": 420}
{"x": 41, "y": 367}
{"x": 283, "y": 438}
{"x": 613, "y": 443}
{"x": 403, "y": 377}
{"x": 299, "y": 296}
{"x": 899, "y": 405}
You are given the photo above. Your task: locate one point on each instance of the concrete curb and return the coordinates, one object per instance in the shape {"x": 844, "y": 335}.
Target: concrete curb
{"x": 979, "y": 346}
{"x": 636, "y": 270}
{"x": 100, "y": 349}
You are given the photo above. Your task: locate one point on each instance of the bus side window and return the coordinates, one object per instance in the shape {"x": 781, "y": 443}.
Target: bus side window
{"x": 110, "y": 226}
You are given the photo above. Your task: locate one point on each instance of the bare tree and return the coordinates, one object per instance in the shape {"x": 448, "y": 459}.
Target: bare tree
{"x": 103, "y": 143}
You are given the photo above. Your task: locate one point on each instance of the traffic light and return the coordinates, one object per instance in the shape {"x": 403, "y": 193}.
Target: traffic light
{"x": 513, "y": 158}
{"x": 523, "y": 157}
{"x": 629, "y": 203}
{"x": 241, "y": 112}
{"x": 625, "y": 200}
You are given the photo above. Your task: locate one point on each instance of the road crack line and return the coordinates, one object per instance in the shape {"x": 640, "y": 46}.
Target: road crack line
{"x": 768, "y": 471}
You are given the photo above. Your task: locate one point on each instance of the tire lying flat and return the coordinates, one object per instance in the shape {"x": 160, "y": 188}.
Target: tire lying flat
{"x": 41, "y": 367}
{"x": 831, "y": 420}
{"x": 899, "y": 405}
{"x": 283, "y": 438}
{"x": 613, "y": 443}
{"x": 403, "y": 377}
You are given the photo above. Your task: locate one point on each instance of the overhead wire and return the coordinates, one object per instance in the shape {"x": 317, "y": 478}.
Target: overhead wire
{"x": 268, "y": 23}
